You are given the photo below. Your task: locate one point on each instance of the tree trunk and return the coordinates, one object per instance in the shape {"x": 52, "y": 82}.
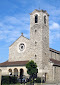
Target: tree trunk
{"x": 33, "y": 80}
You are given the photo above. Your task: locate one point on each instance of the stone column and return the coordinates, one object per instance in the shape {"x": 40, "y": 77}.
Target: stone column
{"x": 18, "y": 73}
{"x": 13, "y": 72}
{"x": 0, "y": 77}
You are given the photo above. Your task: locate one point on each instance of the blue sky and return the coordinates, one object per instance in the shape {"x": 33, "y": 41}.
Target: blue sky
{"x": 15, "y": 19}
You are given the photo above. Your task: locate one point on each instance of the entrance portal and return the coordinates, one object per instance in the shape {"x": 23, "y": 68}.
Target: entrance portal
{"x": 21, "y": 73}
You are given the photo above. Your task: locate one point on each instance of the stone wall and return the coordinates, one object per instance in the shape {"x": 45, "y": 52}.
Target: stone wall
{"x": 57, "y": 74}
{"x": 5, "y": 70}
{"x": 39, "y": 36}
{"x": 54, "y": 55}
{"x": 15, "y": 54}
{"x": 53, "y": 74}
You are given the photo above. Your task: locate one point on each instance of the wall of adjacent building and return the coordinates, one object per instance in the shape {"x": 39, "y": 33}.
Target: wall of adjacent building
{"x": 56, "y": 74}
{"x": 55, "y": 69}
{"x": 54, "y": 55}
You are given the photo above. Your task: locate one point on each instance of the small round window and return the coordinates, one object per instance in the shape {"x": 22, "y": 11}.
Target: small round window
{"x": 21, "y": 47}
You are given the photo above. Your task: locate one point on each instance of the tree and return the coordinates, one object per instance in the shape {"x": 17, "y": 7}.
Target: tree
{"x": 32, "y": 69}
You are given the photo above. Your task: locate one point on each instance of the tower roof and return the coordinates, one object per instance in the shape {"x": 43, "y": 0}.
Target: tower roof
{"x": 44, "y": 11}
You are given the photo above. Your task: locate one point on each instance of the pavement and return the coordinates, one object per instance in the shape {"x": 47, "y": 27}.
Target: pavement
{"x": 48, "y": 84}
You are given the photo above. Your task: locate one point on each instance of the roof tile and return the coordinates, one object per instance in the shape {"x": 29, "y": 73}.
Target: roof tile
{"x": 13, "y": 63}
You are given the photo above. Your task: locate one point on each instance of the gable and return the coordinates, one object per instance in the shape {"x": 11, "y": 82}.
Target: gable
{"x": 21, "y": 38}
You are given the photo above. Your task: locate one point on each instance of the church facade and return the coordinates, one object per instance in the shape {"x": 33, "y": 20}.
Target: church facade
{"x": 36, "y": 48}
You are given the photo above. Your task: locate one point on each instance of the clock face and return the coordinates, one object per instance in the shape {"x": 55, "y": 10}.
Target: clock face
{"x": 21, "y": 47}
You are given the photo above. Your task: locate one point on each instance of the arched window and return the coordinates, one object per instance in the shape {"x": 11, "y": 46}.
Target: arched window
{"x": 44, "y": 19}
{"x": 36, "y": 18}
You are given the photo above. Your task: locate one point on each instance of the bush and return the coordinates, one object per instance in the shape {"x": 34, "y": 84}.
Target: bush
{"x": 38, "y": 80}
{"x": 9, "y": 79}
{"x": 5, "y": 79}
{"x": 43, "y": 81}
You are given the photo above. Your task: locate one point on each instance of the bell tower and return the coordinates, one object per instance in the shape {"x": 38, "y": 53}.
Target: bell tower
{"x": 39, "y": 36}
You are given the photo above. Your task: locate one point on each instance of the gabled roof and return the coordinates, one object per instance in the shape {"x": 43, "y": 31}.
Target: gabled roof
{"x": 44, "y": 11}
{"x": 55, "y": 62}
{"x": 13, "y": 63}
{"x": 17, "y": 39}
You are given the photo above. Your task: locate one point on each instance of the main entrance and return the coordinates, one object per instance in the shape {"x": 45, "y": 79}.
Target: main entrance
{"x": 21, "y": 73}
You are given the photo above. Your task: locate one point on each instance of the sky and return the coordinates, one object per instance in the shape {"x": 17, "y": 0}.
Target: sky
{"x": 15, "y": 19}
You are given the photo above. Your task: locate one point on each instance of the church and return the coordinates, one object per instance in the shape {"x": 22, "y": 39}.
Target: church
{"x": 36, "y": 48}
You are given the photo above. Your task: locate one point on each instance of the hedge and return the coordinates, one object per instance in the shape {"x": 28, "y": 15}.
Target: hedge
{"x": 9, "y": 79}
{"x": 38, "y": 80}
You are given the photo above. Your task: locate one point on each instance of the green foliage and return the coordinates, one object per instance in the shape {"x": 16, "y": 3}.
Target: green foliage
{"x": 7, "y": 79}
{"x": 31, "y": 67}
{"x": 38, "y": 80}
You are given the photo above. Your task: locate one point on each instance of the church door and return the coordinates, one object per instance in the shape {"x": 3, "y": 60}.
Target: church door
{"x": 21, "y": 73}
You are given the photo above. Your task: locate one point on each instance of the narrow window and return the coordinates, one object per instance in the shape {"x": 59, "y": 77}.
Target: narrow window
{"x": 36, "y": 18}
{"x": 35, "y": 56}
{"x": 35, "y": 43}
{"x": 55, "y": 69}
{"x": 35, "y": 31}
{"x": 44, "y": 19}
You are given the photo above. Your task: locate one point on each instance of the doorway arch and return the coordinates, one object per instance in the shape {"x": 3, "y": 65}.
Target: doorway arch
{"x": 10, "y": 71}
{"x": 21, "y": 73}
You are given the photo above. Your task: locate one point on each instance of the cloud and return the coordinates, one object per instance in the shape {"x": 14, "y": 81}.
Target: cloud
{"x": 51, "y": 37}
{"x": 54, "y": 32}
{"x": 12, "y": 20}
{"x": 58, "y": 35}
{"x": 55, "y": 26}
{"x": 12, "y": 26}
{"x": 54, "y": 11}
{"x": 54, "y": 36}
